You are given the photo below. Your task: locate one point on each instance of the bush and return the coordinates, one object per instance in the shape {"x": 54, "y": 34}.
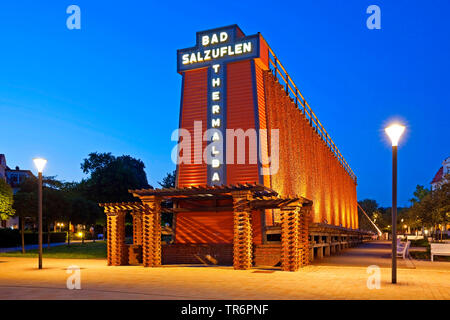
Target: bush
{"x": 12, "y": 238}
{"x": 420, "y": 243}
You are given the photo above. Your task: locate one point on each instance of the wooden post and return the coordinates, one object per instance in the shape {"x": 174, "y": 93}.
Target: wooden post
{"x": 290, "y": 232}
{"x": 320, "y": 249}
{"x": 332, "y": 246}
{"x": 243, "y": 238}
{"x": 135, "y": 250}
{"x": 147, "y": 238}
{"x": 276, "y": 67}
{"x": 287, "y": 84}
{"x": 304, "y": 235}
{"x": 327, "y": 248}
{"x": 137, "y": 227}
{"x": 117, "y": 251}
{"x": 151, "y": 223}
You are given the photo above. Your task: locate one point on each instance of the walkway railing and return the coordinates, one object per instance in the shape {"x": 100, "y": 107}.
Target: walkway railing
{"x": 284, "y": 79}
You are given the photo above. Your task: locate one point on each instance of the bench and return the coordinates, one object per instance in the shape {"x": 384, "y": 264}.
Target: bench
{"x": 414, "y": 237}
{"x": 439, "y": 249}
{"x": 402, "y": 249}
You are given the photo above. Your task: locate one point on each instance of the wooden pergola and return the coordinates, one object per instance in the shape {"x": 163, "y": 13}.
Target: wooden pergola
{"x": 243, "y": 199}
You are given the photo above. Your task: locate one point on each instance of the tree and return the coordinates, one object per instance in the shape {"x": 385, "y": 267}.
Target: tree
{"x": 441, "y": 199}
{"x": 169, "y": 180}
{"x": 420, "y": 193}
{"x": 55, "y": 207}
{"x": 81, "y": 210}
{"x": 111, "y": 177}
{"x": 430, "y": 208}
{"x": 54, "y": 202}
{"x": 25, "y": 204}
{"x": 373, "y": 211}
{"x": 6, "y": 201}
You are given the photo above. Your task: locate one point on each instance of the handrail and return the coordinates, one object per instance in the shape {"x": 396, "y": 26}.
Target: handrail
{"x": 280, "y": 73}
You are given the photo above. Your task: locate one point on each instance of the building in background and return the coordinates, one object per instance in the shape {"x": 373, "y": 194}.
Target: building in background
{"x": 14, "y": 177}
{"x": 439, "y": 178}
{"x": 3, "y": 167}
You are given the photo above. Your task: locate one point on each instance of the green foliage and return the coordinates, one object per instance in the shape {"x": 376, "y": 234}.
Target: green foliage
{"x": 84, "y": 211}
{"x": 111, "y": 177}
{"x": 430, "y": 208}
{"x": 25, "y": 204}
{"x": 382, "y": 217}
{"x": 426, "y": 255}
{"x": 373, "y": 211}
{"x": 420, "y": 243}
{"x": 109, "y": 181}
{"x": 60, "y": 202}
{"x": 6, "y": 200}
{"x": 55, "y": 204}
{"x": 419, "y": 194}
{"x": 169, "y": 180}
{"x": 369, "y": 206}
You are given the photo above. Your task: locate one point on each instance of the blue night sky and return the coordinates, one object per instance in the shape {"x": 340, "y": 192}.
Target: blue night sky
{"x": 113, "y": 87}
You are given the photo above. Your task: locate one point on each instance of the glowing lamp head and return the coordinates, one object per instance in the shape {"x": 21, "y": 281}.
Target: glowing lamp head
{"x": 394, "y": 132}
{"x": 40, "y": 164}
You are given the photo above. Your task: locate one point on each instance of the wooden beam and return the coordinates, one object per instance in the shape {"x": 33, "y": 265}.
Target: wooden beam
{"x": 211, "y": 208}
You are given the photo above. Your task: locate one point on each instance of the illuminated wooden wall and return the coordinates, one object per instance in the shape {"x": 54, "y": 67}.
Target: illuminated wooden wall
{"x": 307, "y": 166}
{"x": 194, "y": 102}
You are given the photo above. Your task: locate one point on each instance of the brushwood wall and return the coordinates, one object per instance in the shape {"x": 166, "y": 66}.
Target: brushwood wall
{"x": 307, "y": 167}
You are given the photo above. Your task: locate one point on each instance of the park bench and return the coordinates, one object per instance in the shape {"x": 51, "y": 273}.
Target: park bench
{"x": 414, "y": 237}
{"x": 402, "y": 249}
{"x": 440, "y": 249}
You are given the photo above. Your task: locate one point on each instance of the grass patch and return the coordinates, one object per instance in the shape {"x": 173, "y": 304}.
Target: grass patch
{"x": 420, "y": 243}
{"x": 421, "y": 255}
{"x": 88, "y": 250}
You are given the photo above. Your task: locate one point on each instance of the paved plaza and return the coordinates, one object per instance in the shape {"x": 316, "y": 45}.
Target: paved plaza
{"x": 343, "y": 276}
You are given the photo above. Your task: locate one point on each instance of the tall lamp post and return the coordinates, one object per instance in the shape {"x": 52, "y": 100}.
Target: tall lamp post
{"x": 394, "y": 132}
{"x": 40, "y": 164}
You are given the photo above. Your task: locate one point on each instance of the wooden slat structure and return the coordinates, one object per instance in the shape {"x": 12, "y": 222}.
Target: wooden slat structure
{"x": 117, "y": 254}
{"x": 244, "y": 198}
{"x": 242, "y": 241}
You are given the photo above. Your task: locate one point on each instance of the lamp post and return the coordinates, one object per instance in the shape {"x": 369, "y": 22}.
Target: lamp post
{"x": 394, "y": 132}
{"x": 40, "y": 164}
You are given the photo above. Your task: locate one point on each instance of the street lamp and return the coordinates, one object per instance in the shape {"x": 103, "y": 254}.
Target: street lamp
{"x": 394, "y": 132}
{"x": 40, "y": 164}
